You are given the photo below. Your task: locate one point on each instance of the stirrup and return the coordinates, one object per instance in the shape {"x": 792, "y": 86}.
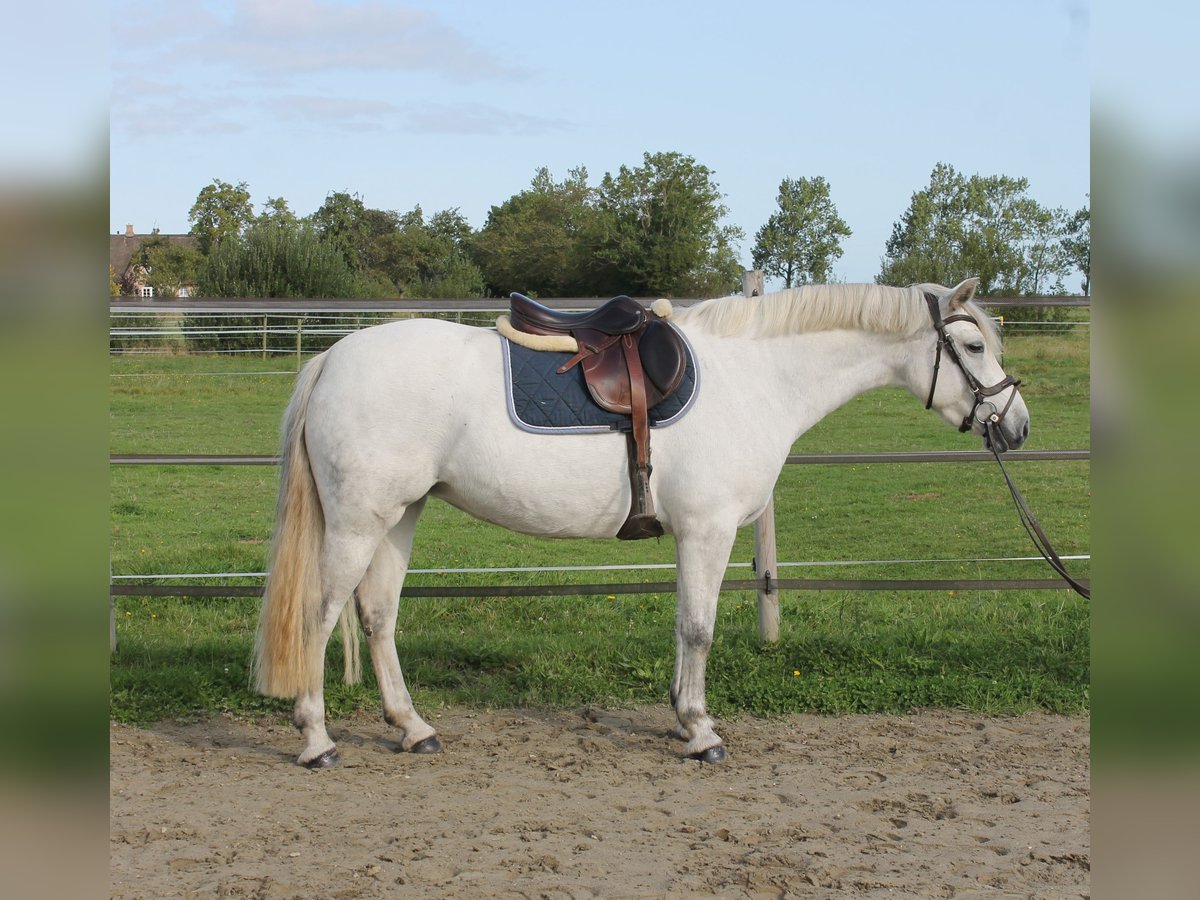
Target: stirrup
{"x": 642, "y": 522}
{"x": 639, "y": 526}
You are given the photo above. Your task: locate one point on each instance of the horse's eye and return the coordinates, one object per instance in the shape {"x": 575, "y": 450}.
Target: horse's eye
{"x": 975, "y": 347}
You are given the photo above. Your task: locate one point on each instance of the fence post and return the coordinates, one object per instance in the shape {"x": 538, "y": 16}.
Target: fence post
{"x": 264, "y": 337}
{"x": 299, "y": 332}
{"x": 112, "y": 615}
{"x": 766, "y": 570}
{"x": 766, "y": 567}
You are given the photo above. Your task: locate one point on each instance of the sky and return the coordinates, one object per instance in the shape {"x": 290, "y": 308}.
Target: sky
{"x": 455, "y": 104}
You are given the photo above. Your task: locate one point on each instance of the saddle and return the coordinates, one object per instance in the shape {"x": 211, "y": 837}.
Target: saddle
{"x": 631, "y": 362}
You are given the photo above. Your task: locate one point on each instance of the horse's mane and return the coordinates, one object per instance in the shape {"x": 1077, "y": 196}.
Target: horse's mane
{"x": 827, "y": 307}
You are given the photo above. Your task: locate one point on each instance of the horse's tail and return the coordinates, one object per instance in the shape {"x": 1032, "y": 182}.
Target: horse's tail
{"x": 292, "y": 598}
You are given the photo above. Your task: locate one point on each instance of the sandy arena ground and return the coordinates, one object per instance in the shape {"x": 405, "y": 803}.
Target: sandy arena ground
{"x": 598, "y": 803}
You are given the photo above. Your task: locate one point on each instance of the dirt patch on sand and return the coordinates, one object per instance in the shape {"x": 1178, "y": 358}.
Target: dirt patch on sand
{"x": 599, "y": 803}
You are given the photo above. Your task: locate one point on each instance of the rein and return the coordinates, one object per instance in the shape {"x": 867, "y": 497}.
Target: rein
{"x": 1032, "y": 528}
{"x": 995, "y": 440}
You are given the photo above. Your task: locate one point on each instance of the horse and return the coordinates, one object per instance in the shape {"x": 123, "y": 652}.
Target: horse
{"x": 400, "y": 412}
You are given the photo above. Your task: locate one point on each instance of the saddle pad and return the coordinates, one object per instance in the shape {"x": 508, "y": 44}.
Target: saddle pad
{"x": 544, "y": 402}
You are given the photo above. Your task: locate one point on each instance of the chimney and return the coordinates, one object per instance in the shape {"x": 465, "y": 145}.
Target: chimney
{"x": 128, "y": 231}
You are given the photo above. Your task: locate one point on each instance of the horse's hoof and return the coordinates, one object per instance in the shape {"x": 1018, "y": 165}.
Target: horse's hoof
{"x": 711, "y": 755}
{"x": 430, "y": 745}
{"x": 326, "y": 760}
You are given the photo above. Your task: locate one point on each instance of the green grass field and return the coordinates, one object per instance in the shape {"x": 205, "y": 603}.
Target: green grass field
{"x": 994, "y": 652}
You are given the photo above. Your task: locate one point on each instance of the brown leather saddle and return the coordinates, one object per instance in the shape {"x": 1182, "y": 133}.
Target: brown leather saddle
{"x": 631, "y": 362}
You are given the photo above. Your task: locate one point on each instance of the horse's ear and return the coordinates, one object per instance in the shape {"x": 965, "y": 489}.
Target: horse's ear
{"x": 962, "y": 292}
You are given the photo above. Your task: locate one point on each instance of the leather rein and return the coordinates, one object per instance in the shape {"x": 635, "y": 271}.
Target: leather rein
{"x": 994, "y": 438}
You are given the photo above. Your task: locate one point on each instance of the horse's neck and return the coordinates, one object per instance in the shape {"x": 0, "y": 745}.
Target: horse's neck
{"x": 811, "y": 375}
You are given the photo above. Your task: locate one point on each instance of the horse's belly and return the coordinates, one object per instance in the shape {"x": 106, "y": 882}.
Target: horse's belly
{"x": 554, "y": 486}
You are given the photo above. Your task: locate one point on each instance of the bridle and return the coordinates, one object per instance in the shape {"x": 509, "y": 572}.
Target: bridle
{"x": 993, "y": 436}
{"x": 981, "y": 392}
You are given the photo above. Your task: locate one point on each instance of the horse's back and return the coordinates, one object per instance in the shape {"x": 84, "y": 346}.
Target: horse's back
{"x": 406, "y": 360}
{"x": 393, "y": 399}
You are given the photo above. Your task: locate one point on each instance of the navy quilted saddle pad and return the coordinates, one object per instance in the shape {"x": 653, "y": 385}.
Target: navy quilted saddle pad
{"x": 544, "y": 402}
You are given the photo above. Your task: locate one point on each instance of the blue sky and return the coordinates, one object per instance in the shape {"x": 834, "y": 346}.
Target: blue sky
{"x": 457, "y": 103}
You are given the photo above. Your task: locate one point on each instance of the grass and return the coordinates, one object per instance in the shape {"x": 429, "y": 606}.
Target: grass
{"x": 839, "y": 651}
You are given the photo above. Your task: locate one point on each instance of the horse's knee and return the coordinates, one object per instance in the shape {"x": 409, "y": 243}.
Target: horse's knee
{"x": 696, "y": 636}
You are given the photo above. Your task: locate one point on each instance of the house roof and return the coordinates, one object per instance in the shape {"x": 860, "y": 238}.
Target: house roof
{"x": 121, "y": 247}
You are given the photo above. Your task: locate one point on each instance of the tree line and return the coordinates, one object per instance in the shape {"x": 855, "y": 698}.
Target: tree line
{"x": 657, "y": 229}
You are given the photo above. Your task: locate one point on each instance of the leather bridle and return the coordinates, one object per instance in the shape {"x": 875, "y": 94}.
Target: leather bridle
{"x": 993, "y": 436}
{"x": 982, "y": 393}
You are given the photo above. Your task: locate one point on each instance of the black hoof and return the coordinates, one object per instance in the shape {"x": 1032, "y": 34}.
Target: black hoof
{"x": 326, "y": 760}
{"x": 711, "y": 755}
{"x": 430, "y": 745}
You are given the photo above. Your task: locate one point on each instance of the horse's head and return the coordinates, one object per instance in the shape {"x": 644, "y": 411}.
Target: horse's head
{"x": 968, "y": 387}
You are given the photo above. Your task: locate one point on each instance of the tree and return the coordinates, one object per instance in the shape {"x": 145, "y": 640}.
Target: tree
{"x": 168, "y": 265}
{"x": 427, "y": 259}
{"x": 342, "y": 222}
{"x": 657, "y": 231}
{"x": 988, "y": 227}
{"x": 1077, "y": 241}
{"x": 274, "y": 260}
{"x": 221, "y": 211}
{"x": 271, "y": 261}
{"x": 532, "y": 242}
{"x": 800, "y": 242}
{"x": 1046, "y": 258}
{"x": 276, "y": 211}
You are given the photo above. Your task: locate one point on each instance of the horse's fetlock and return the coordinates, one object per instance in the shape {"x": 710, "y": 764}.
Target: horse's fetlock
{"x": 690, "y": 711}
{"x": 393, "y": 719}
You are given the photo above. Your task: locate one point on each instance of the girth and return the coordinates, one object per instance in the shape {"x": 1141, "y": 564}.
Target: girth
{"x": 631, "y": 362}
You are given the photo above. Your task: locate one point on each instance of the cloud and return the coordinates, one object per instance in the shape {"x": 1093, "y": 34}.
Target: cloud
{"x": 268, "y": 38}
{"x": 142, "y": 107}
{"x": 348, "y": 113}
{"x": 479, "y": 118}
{"x": 294, "y": 65}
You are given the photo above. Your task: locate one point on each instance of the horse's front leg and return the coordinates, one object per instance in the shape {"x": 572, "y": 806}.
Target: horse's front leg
{"x": 701, "y": 556}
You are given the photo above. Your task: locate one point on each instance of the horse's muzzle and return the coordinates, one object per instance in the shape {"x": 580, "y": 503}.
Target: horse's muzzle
{"x": 1002, "y": 439}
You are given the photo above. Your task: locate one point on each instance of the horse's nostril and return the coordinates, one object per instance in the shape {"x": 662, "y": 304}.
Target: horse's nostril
{"x": 1025, "y": 431}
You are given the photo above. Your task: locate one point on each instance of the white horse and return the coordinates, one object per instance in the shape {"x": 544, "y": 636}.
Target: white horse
{"x": 400, "y": 412}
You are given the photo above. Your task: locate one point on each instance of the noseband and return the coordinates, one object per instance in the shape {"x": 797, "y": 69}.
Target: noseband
{"x": 981, "y": 392}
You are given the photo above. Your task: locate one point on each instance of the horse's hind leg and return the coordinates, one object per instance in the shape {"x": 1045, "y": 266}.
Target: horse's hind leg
{"x": 345, "y": 555}
{"x": 378, "y": 598}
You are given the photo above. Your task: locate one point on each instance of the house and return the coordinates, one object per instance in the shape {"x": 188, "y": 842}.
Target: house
{"x": 122, "y": 248}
